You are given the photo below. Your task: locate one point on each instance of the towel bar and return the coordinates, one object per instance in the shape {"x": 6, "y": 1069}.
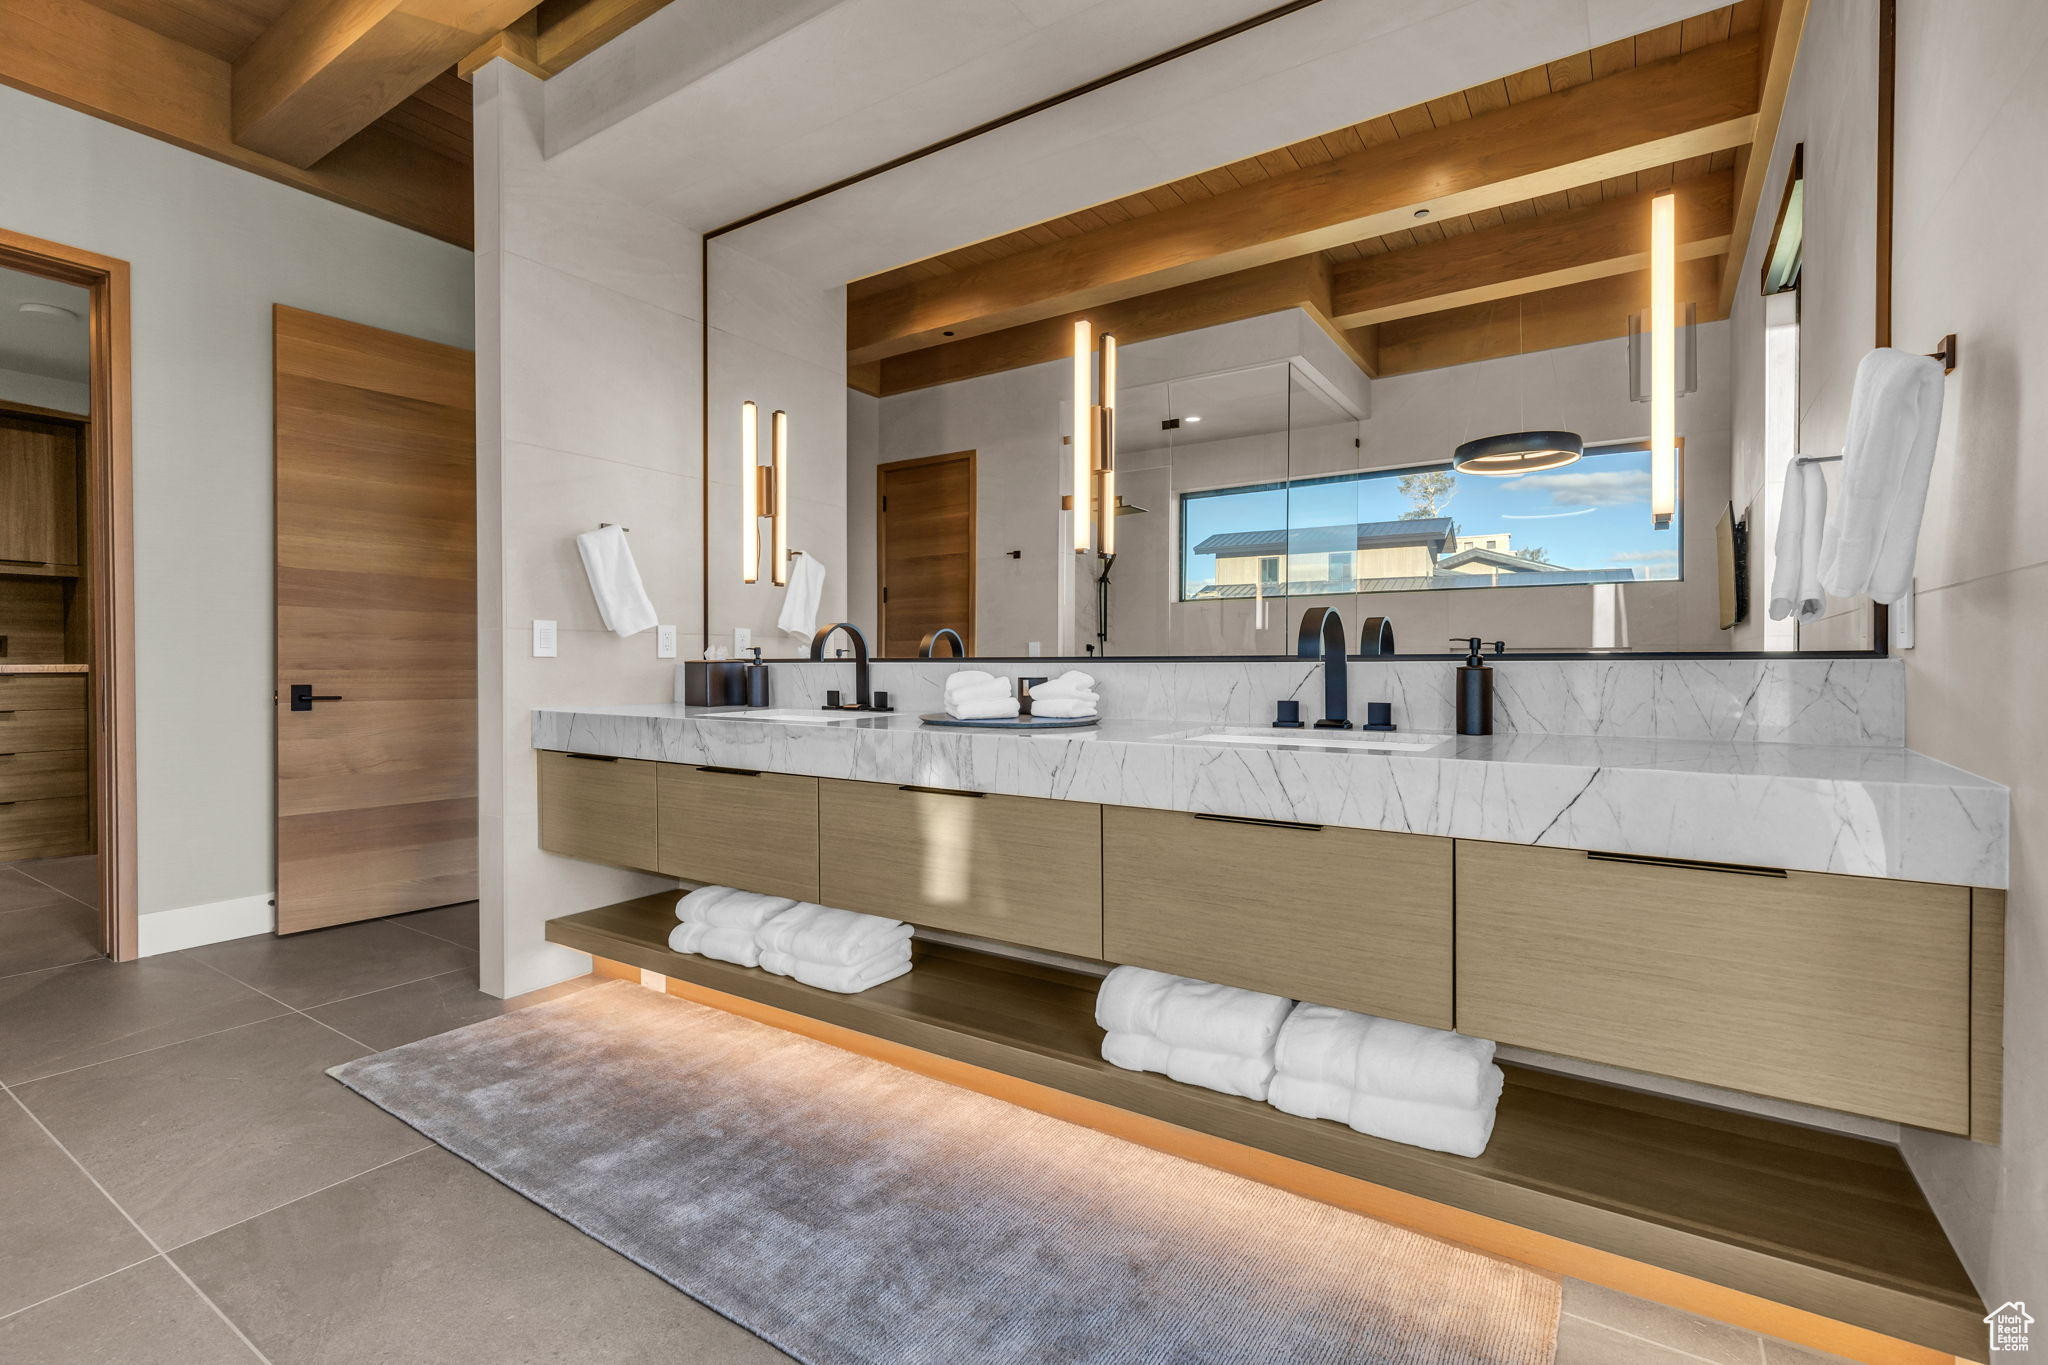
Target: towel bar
{"x": 1945, "y": 353}
{"x": 602, "y": 524}
{"x": 1816, "y": 459}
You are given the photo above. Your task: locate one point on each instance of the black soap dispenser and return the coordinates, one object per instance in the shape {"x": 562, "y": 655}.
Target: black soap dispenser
{"x": 757, "y": 680}
{"x": 1475, "y": 687}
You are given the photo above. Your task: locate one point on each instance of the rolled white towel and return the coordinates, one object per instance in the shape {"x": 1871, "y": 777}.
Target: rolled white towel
{"x": 1220, "y": 1071}
{"x": 1385, "y": 1057}
{"x": 1459, "y": 1130}
{"x": 727, "y": 945}
{"x": 972, "y": 682}
{"x": 1063, "y": 708}
{"x": 847, "y": 978}
{"x": 825, "y": 935}
{"x": 1130, "y": 998}
{"x": 730, "y": 908}
{"x": 1071, "y": 683}
{"x": 1213, "y": 1018}
{"x": 981, "y": 708}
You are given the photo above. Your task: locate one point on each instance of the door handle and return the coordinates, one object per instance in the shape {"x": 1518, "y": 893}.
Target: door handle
{"x": 303, "y": 698}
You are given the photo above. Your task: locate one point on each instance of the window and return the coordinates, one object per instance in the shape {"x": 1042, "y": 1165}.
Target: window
{"x": 1428, "y": 527}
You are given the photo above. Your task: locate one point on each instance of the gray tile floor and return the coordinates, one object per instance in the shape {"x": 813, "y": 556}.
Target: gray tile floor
{"x": 179, "y": 1182}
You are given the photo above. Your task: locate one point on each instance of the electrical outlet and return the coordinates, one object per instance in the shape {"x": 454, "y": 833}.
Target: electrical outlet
{"x": 742, "y": 640}
{"x": 543, "y": 639}
{"x": 664, "y": 642}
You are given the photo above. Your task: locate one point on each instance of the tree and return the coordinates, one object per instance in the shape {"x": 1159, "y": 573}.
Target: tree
{"x": 1535, "y": 552}
{"x": 1430, "y": 491}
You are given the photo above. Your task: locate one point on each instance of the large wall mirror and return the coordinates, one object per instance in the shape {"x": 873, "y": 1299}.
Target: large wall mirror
{"x": 1526, "y": 357}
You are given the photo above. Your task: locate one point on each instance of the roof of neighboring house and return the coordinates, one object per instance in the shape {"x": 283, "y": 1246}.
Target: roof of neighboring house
{"x": 1501, "y": 559}
{"x": 1306, "y": 540}
{"x": 1560, "y": 579}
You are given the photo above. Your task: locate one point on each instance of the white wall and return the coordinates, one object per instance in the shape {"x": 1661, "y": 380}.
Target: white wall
{"x": 41, "y": 391}
{"x": 1972, "y": 117}
{"x": 587, "y": 412}
{"x": 212, "y": 248}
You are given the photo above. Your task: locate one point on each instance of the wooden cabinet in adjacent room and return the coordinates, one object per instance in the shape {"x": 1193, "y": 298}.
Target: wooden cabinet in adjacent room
{"x": 38, "y": 493}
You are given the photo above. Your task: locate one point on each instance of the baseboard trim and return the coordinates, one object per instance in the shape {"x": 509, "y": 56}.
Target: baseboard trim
{"x": 190, "y": 926}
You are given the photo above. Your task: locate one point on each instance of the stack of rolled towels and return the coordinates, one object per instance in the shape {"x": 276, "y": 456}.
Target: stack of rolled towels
{"x": 1194, "y": 1031}
{"x": 1403, "y": 1082}
{"x": 834, "y": 950}
{"x": 1070, "y": 696}
{"x": 974, "y": 695}
{"x": 1422, "y": 1086}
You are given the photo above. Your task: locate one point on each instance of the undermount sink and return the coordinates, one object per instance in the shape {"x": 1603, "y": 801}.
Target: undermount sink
{"x": 1372, "y": 741}
{"x": 798, "y": 717}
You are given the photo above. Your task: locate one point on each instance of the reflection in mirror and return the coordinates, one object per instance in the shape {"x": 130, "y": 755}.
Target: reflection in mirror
{"x": 1303, "y": 347}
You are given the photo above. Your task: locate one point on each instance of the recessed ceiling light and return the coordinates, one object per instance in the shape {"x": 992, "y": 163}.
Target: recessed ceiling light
{"x": 1190, "y": 419}
{"x": 49, "y": 310}
{"x": 1422, "y": 213}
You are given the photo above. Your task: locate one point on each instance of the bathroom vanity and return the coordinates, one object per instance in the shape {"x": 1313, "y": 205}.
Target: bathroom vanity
{"x": 1809, "y": 923}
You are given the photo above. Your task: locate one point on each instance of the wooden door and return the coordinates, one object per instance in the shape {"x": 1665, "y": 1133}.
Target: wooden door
{"x": 924, "y": 540}
{"x": 376, "y": 609}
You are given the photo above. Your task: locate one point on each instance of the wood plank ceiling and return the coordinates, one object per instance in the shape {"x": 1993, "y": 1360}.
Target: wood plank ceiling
{"x": 1523, "y": 273}
{"x": 361, "y": 103}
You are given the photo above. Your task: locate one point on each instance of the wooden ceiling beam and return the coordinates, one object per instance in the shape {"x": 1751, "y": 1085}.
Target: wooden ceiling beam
{"x": 1594, "y": 310}
{"x": 558, "y": 33}
{"x": 79, "y": 55}
{"x": 1690, "y": 105}
{"x": 1527, "y": 255}
{"x": 327, "y": 69}
{"x": 1784, "y": 22}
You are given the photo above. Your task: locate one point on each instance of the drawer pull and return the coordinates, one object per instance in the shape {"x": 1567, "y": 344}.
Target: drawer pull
{"x": 939, "y": 791}
{"x": 594, "y": 758}
{"x": 1269, "y": 824}
{"x": 6, "y": 803}
{"x": 1696, "y": 865}
{"x": 730, "y": 772}
{"x": 6, "y": 715}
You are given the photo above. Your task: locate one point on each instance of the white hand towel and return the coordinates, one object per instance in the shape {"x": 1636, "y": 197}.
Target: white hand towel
{"x": 823, "y": 934}
{"x": 1894, "y": 423}
{"x": 800, "y": 604}
{"x": 1221, "y": 1071}
{"x": 972, "y": 682}
{"x": 1385, "y": 1057}
{"x": 1129, "y": 1000}
{"x": 724, "y": 907}
{"x": 1802, "y": 522}
{"x": 1212, "y": 1018}
{"x": 847, "y": 978}
{"x": 1071, "y": 683}
{"x": 1063, "y": 708}
{"x": 988, "y": 708}
{"x": 727, "y": 945}
{"x": 615, "y": 581}
{"x": 1461, "y": 1131}
{"x": 962, "y": 696}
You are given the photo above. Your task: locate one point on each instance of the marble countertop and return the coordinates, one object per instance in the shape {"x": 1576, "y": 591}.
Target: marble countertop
{"x": 1873, "y": 812}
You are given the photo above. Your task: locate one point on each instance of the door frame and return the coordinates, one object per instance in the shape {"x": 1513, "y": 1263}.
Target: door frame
{"x": 882, "y": 472}
{"x": 110, "y": 556}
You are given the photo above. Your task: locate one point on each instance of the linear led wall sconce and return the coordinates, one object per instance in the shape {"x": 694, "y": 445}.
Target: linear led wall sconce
{"x": 764, "y": 492}
{"x": 1094, "y": 501}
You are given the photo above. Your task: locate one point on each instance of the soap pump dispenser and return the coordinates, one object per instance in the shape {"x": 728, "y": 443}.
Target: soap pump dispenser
{"x": 757, "y": 680}
{"x": 1475, "y": 687}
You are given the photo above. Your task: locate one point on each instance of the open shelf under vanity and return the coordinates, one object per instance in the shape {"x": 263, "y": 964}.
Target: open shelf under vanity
{"x": 1822, "y": 1222}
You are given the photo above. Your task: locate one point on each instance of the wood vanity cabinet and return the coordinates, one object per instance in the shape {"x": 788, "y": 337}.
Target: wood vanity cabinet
{"x": 1017, "y": 868}
{"x": 43, "y": 766}
{"x": 1852, "y": 993}
{"x": 738, "y": 827}
{"x": 600, "y": 809}
{"x": 1357, "y": 919}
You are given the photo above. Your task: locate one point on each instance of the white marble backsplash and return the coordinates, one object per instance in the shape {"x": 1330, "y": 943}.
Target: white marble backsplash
{"x": 1787, "y": 701}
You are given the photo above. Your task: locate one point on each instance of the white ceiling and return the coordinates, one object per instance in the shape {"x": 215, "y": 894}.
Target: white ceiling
{"x": 821, "y": 90}
{"x": 35, "y": 344}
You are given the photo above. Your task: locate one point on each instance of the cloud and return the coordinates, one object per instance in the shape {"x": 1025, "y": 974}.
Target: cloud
{"x": 1621, "y": 488}
{"x": 1654, "y": 558}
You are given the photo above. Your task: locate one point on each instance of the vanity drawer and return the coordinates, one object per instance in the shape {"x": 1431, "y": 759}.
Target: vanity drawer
{"x": 44, "y": 829}
{"x": 597, "y": 808}
{"x": 42, "y": 692}
{"x": 1014, "y": 868}
{"x": 1356, "y": 919}
{"x": 27, "y": 732}
{"x": 1851, "y": 993}
{"x": 39, "y": 776}
{"x": 737, "y": 827}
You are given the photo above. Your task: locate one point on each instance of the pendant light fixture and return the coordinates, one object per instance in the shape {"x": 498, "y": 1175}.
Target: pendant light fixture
{"x": 1518, "y": 452}
{"x": 1663, "y": 360}
{"x": 764, "y": 492}
{"x": 1094, "y": 500}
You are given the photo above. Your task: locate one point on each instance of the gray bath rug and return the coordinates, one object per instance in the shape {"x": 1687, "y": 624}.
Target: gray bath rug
{"x": 854, "y": 1213}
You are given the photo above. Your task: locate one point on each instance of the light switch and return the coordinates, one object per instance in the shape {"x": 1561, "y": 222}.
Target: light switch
{"x": 1034, "y": 649}
{"x": 664, "y": 642}
{"x": 543, "y": 639}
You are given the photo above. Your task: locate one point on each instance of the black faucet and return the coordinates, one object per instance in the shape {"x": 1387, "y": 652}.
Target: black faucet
{"x": 1322, "y": 631}
{"x": 928, "y": 647}
{"x": 863, "y": 699}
